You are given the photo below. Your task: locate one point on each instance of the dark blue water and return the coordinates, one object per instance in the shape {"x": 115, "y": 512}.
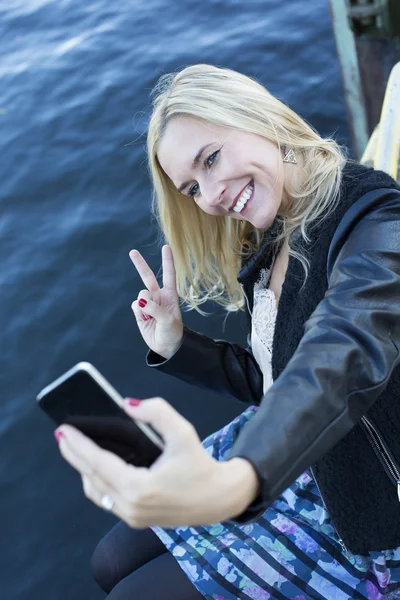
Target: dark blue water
{"x": 75, "y": 198}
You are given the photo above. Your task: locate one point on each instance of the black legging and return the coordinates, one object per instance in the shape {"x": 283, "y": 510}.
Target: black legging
{"x": 133, "y": 563}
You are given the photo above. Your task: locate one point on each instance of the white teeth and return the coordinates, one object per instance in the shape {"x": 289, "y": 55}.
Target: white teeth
{"x": 243, "y": 198}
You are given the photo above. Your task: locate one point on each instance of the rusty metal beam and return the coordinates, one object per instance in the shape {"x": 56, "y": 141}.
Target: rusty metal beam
{"x": 353, "y": 90}
{"x": 376, "y": 57}
{"x": 367, "y": 10}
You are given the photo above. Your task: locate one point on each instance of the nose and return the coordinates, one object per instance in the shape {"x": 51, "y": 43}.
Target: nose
{"x": 212, "y": 193}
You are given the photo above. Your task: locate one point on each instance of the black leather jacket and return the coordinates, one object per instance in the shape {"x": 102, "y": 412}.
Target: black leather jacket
{"x": 347, "y": 357}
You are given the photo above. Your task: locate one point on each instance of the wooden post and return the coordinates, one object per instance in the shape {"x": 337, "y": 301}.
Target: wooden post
{"x": 368, "y": 44}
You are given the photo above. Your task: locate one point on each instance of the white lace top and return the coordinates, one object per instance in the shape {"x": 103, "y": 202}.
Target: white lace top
{"x": 263, "y": 325}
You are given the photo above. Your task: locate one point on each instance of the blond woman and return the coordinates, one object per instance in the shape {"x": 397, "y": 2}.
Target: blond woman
{"x": 298, "y": 497}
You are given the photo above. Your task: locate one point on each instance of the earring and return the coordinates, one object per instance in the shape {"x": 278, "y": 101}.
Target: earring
{"x": 290, "y": 156}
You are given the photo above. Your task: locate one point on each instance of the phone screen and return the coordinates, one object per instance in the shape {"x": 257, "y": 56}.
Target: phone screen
{"x": 79, "y": 400}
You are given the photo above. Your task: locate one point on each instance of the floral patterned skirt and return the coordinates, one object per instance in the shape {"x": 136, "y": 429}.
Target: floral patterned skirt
{"x": 291, "y": 552}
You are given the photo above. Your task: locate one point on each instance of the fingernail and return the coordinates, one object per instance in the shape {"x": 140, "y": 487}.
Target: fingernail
{"x": 58, "y": 435}
{"x": 142, "y": 302}
{"x": 146, "y": 317}
{"x": 134, "y": 402}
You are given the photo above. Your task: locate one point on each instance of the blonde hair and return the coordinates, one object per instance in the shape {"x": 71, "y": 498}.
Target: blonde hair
{"x": 208, "y": 250}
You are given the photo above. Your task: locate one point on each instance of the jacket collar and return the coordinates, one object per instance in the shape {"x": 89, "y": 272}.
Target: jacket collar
{"x": 263, "y": 256}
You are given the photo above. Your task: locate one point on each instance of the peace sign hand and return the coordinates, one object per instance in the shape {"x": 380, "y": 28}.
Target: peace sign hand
{"x": 163, "y": 332}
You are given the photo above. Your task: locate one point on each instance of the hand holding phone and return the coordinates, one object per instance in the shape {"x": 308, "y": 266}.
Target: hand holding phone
{"x": 82, "y": 397}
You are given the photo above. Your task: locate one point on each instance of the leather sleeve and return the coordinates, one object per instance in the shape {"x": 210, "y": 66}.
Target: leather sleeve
{"x": 345, "y": 359}
{"x": 215, "y": 365}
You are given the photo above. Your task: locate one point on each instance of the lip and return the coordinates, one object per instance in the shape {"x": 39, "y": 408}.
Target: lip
{"x": 240, "y": 193}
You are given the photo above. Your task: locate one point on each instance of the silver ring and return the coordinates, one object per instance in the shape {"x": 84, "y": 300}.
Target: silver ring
{"x": 107, "y": 502}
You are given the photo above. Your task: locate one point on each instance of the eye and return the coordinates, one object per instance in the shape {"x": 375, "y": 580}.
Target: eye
{"x": 208, "y": 163}
{"x": 211, "y": 158}
{"x": 193, "y": 191}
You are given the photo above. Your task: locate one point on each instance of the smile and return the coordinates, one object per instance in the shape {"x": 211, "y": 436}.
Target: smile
{"x": 244, "y": 197}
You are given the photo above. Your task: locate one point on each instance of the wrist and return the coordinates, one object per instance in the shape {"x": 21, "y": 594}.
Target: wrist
{"x": 242, "y": 484}
{"x": 173, "y": 350}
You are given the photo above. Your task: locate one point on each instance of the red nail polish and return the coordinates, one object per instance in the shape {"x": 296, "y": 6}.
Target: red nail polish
{"x": 133, "y": 402}
{"x": 58, "y": 435}
{"x": 142, "y": 302}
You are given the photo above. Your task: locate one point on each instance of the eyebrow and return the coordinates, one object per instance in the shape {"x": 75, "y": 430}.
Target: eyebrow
{"x": 195, "y": 162}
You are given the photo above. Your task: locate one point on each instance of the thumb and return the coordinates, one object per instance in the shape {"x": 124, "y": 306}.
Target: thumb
{"x": 164, "y": 418}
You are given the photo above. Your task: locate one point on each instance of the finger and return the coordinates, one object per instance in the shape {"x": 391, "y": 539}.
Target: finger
{"x": 151, "y": 309}
{"x": 104, "y": 468}
{"x": 147, "y": 275}
{"x": 90, "y": 490}
{"x": 139, "y": 311}
{"x": 85, "y": 470}
{"x": 165, "y": 419}
{"x": 168, "y": 266}
{"x": 139, "y": 305}
{"x": 107, "y": 475}
{"x": 121, "y": 508}
{"x": 76, "y": 461}
{"x": 140, "y": 314}
{"x": 95, "y": 495}
{"x": 144, "y": 295}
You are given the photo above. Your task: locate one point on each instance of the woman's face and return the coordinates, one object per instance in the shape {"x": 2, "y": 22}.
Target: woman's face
{"x": 218, "y": 166}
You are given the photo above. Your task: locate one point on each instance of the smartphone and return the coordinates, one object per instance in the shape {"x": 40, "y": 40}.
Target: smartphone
{"x": 82, "y": 397}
